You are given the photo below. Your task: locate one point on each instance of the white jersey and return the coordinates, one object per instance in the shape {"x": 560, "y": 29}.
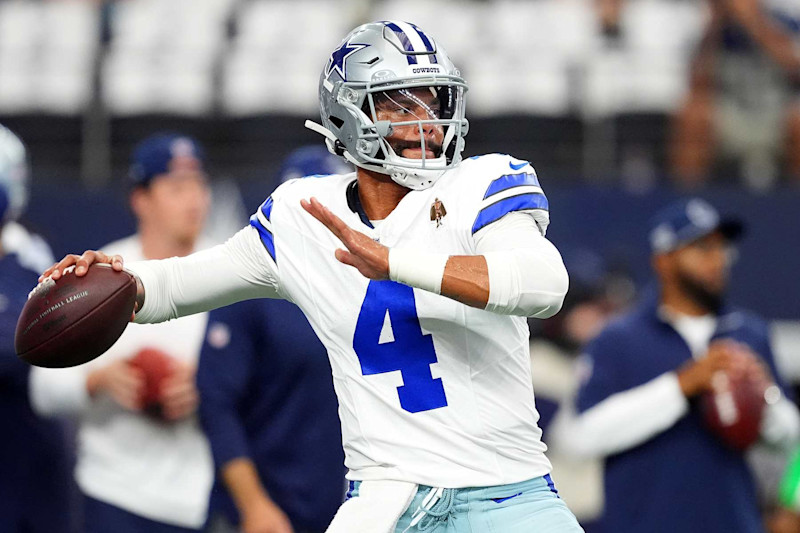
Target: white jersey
{"x": 430, "y": 390}
{"x": 161, "y": 471}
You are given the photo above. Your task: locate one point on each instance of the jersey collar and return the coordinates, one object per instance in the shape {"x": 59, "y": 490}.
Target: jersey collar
{"x": 354, "y": 203}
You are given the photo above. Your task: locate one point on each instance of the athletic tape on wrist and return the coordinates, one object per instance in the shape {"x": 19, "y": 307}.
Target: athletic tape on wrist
{"x": 503, "y": 291}
{"x": 423, "y": 270}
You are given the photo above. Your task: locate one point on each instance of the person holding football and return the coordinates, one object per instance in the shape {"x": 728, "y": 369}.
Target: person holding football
{"x": 417, "y": 272}
{"x": 144, "y": 467}
{"x": 637, "y": 407}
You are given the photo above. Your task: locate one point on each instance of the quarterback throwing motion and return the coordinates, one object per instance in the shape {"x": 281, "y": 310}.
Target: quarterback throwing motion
{"x": 417, "y": 273}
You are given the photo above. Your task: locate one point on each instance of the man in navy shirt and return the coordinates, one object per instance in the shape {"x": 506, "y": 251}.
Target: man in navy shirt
{"x": 35, "y": 485}
{"x": 269, "y": 409}
{"x": 664, "y": 470}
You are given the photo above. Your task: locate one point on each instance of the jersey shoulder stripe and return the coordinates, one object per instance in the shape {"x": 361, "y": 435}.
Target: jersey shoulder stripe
{"x": 261, "y": 222}
{"x": 266, "y": 208}
{"x": 503, "y": 184}
{"x": 521, "y": 202}
{"x": 509, "y": 181}
{"x": 287, "y": 197}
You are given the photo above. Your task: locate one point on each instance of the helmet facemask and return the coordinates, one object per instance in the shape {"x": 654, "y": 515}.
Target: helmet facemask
{"x": 416, "y": 129}
{"x": 412, "y": 130}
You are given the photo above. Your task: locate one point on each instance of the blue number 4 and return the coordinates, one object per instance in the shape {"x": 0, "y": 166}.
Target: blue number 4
{"x": 409, "y": 351}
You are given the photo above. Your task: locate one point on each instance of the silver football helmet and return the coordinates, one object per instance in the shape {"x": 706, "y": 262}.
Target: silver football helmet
{"x": 13, "y": 172}
{"x": 395, "y": 70}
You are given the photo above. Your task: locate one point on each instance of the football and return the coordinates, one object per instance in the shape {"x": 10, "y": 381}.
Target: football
{"x": 156, "y": 366}
{"x": 733, "y": 409}
{"x": 75, "y": 319}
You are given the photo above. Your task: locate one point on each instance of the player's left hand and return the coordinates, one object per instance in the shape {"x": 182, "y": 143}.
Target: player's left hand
{"x": 749, "y": 363}
{"x": 366, "y": 255}
{"x": 179, "y": 397}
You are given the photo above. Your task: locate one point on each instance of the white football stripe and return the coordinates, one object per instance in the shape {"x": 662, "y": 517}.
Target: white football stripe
{"x": 416, "y": 42}
{"x": 264, "y": 222}
{"x": 514, "y": 191}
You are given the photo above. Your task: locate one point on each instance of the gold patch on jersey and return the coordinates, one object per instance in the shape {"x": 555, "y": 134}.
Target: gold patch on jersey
{"x": 438, "y": 212}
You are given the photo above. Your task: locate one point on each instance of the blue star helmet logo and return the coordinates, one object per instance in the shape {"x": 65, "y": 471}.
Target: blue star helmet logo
{"x": 339, "y": 56}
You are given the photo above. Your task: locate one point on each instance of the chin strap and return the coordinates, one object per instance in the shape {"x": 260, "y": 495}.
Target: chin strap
{"x": 330, "y": 142}
{"x": 398, "y": 174}
{"x": 322, "y": 130}
{"x": 330, "y": 138}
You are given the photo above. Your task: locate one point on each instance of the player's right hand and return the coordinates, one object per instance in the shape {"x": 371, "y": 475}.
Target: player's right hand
{"x": 370, "y": 258}
{"x": 81, "y": 263}
{"x": 120, "y": 381}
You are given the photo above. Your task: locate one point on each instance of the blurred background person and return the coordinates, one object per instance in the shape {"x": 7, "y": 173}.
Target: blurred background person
{"x": 742, "y": 112}
{"x": 609, "y": 13}
{"x": 35, "y": 460}
{"x": 144, "y": 470}
{"x": 269, "y": 409}
{"x": 32, "y": 250}
{"x": 309, "y": 161}
{"x": 642, "y": 374}
{"x": 598, "y": 292}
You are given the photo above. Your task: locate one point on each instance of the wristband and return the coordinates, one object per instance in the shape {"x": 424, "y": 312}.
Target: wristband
{"x": 423, "y": 270}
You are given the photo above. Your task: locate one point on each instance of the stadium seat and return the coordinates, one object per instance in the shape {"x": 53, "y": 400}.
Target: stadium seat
{"x": 646, "y": 71}
{"x": 163, "y": 56}
{"x": 71, "y": 38}
{"x": 47, "y": 52}
{"x": 16, "y": 80}
{"x": 517, "y": 84}
{"x": 537, "y": 45}
{"x": 277, "y": 69}
{"x": 18, "y": 40}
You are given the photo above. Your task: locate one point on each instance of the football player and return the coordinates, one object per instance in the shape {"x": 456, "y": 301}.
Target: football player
{"x": 642, "y": 382}
{"x": 417, "y": 272}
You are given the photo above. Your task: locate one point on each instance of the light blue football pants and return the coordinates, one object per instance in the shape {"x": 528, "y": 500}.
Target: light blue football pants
{"x": 531, "y": 506}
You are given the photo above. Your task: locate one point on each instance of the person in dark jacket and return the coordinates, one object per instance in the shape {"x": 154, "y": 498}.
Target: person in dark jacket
{"x": 35, "y": 461}
{"x": 269, "y": 409}
{"x": 665, "y": 471}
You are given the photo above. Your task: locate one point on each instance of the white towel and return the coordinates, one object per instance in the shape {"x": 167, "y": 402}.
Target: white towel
{"x": 378, "y": 507}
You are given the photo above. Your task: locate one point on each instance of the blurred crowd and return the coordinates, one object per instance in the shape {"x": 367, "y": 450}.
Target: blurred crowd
{"x": 624, "y": 90}
{"x": 684, "y": 93}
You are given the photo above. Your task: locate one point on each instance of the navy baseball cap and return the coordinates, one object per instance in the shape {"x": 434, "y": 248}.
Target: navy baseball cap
{"x": 163, "y": 152}
{"x": 312, "y": 160}
{"x": 685, "y": 221}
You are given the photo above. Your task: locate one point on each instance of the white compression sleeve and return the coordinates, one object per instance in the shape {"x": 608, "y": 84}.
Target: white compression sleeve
{"x": 622, "y": 420}
{"x": 526, "y": 274}
{"x": 238, "y": 270}
{"x": 423, "y": 270}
